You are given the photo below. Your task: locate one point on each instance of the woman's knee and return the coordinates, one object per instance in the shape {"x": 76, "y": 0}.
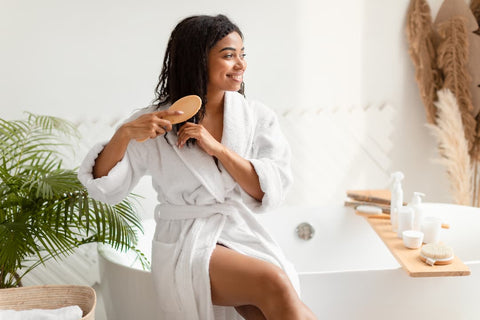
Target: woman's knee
{"x": 276, "y": 286}
{"x": 237, "y": 280}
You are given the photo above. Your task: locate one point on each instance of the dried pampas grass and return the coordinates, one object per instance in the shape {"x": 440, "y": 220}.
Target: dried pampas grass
{"x": 453, "y": 147}
{"x": 475, "y": 7}
{"x": 422, "y": 52}
{"x": 444, "y": 54}
{"x": 453, "y": 60}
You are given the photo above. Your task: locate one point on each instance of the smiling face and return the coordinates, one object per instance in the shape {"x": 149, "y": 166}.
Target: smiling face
{"x": 226, "y": 64}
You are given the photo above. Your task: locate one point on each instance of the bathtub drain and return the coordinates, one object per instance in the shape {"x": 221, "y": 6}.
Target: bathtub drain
{"x": 305, "y": 231}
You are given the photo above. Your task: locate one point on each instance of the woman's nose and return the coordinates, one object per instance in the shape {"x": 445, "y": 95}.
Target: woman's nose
{"x": 240, "y": 64}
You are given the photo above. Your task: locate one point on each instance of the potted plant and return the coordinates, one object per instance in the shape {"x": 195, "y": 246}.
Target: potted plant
{"x": 45, "y": 212}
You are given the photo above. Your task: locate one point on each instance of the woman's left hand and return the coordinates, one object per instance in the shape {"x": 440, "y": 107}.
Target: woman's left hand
{"x": 204, "y": 139}
{"x": 240, "y": 169}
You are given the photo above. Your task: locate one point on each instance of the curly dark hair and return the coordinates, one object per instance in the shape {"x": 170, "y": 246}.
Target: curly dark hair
{"x": 184, "y": 70}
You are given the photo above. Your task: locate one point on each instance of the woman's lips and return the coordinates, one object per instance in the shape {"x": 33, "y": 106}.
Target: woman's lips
{"x": 236, "y": 77}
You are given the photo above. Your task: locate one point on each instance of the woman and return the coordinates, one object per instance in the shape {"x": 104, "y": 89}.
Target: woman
{"x": 210, "y": 257}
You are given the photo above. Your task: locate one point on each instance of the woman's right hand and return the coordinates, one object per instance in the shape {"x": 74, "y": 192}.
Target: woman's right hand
{"x": 149, "y": 125}
{"x": 145, "y": 127}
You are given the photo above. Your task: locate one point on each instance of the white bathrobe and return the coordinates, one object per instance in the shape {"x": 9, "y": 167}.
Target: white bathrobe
{"x": 201, "y": 205}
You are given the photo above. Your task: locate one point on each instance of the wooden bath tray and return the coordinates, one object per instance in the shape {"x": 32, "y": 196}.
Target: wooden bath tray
{"x": 409, "y": 259}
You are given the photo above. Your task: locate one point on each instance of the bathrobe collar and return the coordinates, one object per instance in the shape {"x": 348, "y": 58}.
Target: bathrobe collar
{"x": 237, "y": 123}
{"x": 236, "y": 135}
{"x": 199, "y": 162}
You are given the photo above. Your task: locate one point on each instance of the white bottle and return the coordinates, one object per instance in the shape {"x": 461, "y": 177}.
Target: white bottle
{"x": 396, "y": 200}
{"x": 416, "y": 205}
{"x": 405, "y": 220}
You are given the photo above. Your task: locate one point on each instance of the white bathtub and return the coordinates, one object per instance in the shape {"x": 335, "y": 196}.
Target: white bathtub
{"x": 346, "y": 272}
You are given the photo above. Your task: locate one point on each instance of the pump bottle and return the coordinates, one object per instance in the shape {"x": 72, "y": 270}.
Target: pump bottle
{"x": 396, "y": 200}
{"x": 416, "y": 205}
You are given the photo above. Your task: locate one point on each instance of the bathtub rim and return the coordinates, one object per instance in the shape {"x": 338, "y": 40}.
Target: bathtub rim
{"x": 102, "y": 255}
{"x": 304, "y": 273}
{"x": 427, "y": 204}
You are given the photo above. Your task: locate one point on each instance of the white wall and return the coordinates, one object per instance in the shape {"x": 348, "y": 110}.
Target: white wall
{"x": 388, "y": 75}
{"x": 68, "y": 58}
{"x": 329, "y": 40}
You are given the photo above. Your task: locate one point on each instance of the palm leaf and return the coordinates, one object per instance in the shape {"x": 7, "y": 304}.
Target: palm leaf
{"x": 49, "y": 123}
{"x": 45, "y": 212}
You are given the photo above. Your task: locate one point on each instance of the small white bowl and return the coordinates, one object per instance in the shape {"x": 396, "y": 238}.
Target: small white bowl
{"x": 412, "y": 239}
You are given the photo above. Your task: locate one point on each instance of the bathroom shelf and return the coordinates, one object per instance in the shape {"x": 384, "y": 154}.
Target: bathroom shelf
{"x": 409, "y": 259}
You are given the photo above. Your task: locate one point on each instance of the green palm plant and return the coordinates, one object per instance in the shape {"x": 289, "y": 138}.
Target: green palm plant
{"x": 45, "y": 212}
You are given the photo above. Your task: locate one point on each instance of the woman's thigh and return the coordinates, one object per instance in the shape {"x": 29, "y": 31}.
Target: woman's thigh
{"x": 239, "y": 280}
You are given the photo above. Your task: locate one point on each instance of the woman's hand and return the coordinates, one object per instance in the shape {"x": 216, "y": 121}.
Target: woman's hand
{"x": 204, "y": 139}
{"x": 149, "y": 125}
{"x": 144, "y": 127}
{"x": 241, "y": 170}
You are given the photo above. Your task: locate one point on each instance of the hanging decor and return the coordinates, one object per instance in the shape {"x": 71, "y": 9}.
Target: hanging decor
{"x": 446, "y": 56}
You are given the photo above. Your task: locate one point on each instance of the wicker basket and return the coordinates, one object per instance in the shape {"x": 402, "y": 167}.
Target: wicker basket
{"x": 50, "y": 297}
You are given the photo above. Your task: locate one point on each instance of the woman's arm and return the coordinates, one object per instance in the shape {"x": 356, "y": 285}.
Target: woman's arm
{"x": 145, "y": 127}
{"x": 112, "y": 153}
{"x": 241, "y": 170}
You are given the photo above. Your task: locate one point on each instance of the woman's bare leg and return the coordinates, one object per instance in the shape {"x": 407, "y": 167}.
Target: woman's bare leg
{"x": 250, "y": 312}
{"x": 239, "y": 280}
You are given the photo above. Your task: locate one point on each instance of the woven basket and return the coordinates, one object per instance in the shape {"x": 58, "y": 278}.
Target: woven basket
{"x": 50, "y": 297}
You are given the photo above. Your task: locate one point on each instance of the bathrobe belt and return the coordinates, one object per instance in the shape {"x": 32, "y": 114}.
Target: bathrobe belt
{"x": 176, "y": 212}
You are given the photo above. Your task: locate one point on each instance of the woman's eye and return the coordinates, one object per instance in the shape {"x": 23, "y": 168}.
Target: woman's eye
{"x": 231, "y": 56}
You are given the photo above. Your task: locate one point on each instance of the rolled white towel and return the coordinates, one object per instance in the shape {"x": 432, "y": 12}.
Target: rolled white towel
{"x": 65, "y": 313}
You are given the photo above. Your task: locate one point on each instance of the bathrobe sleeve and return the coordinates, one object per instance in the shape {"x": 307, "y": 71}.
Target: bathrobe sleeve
{"x": 271, "y": 158}
{"x": 123, "y": 177}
